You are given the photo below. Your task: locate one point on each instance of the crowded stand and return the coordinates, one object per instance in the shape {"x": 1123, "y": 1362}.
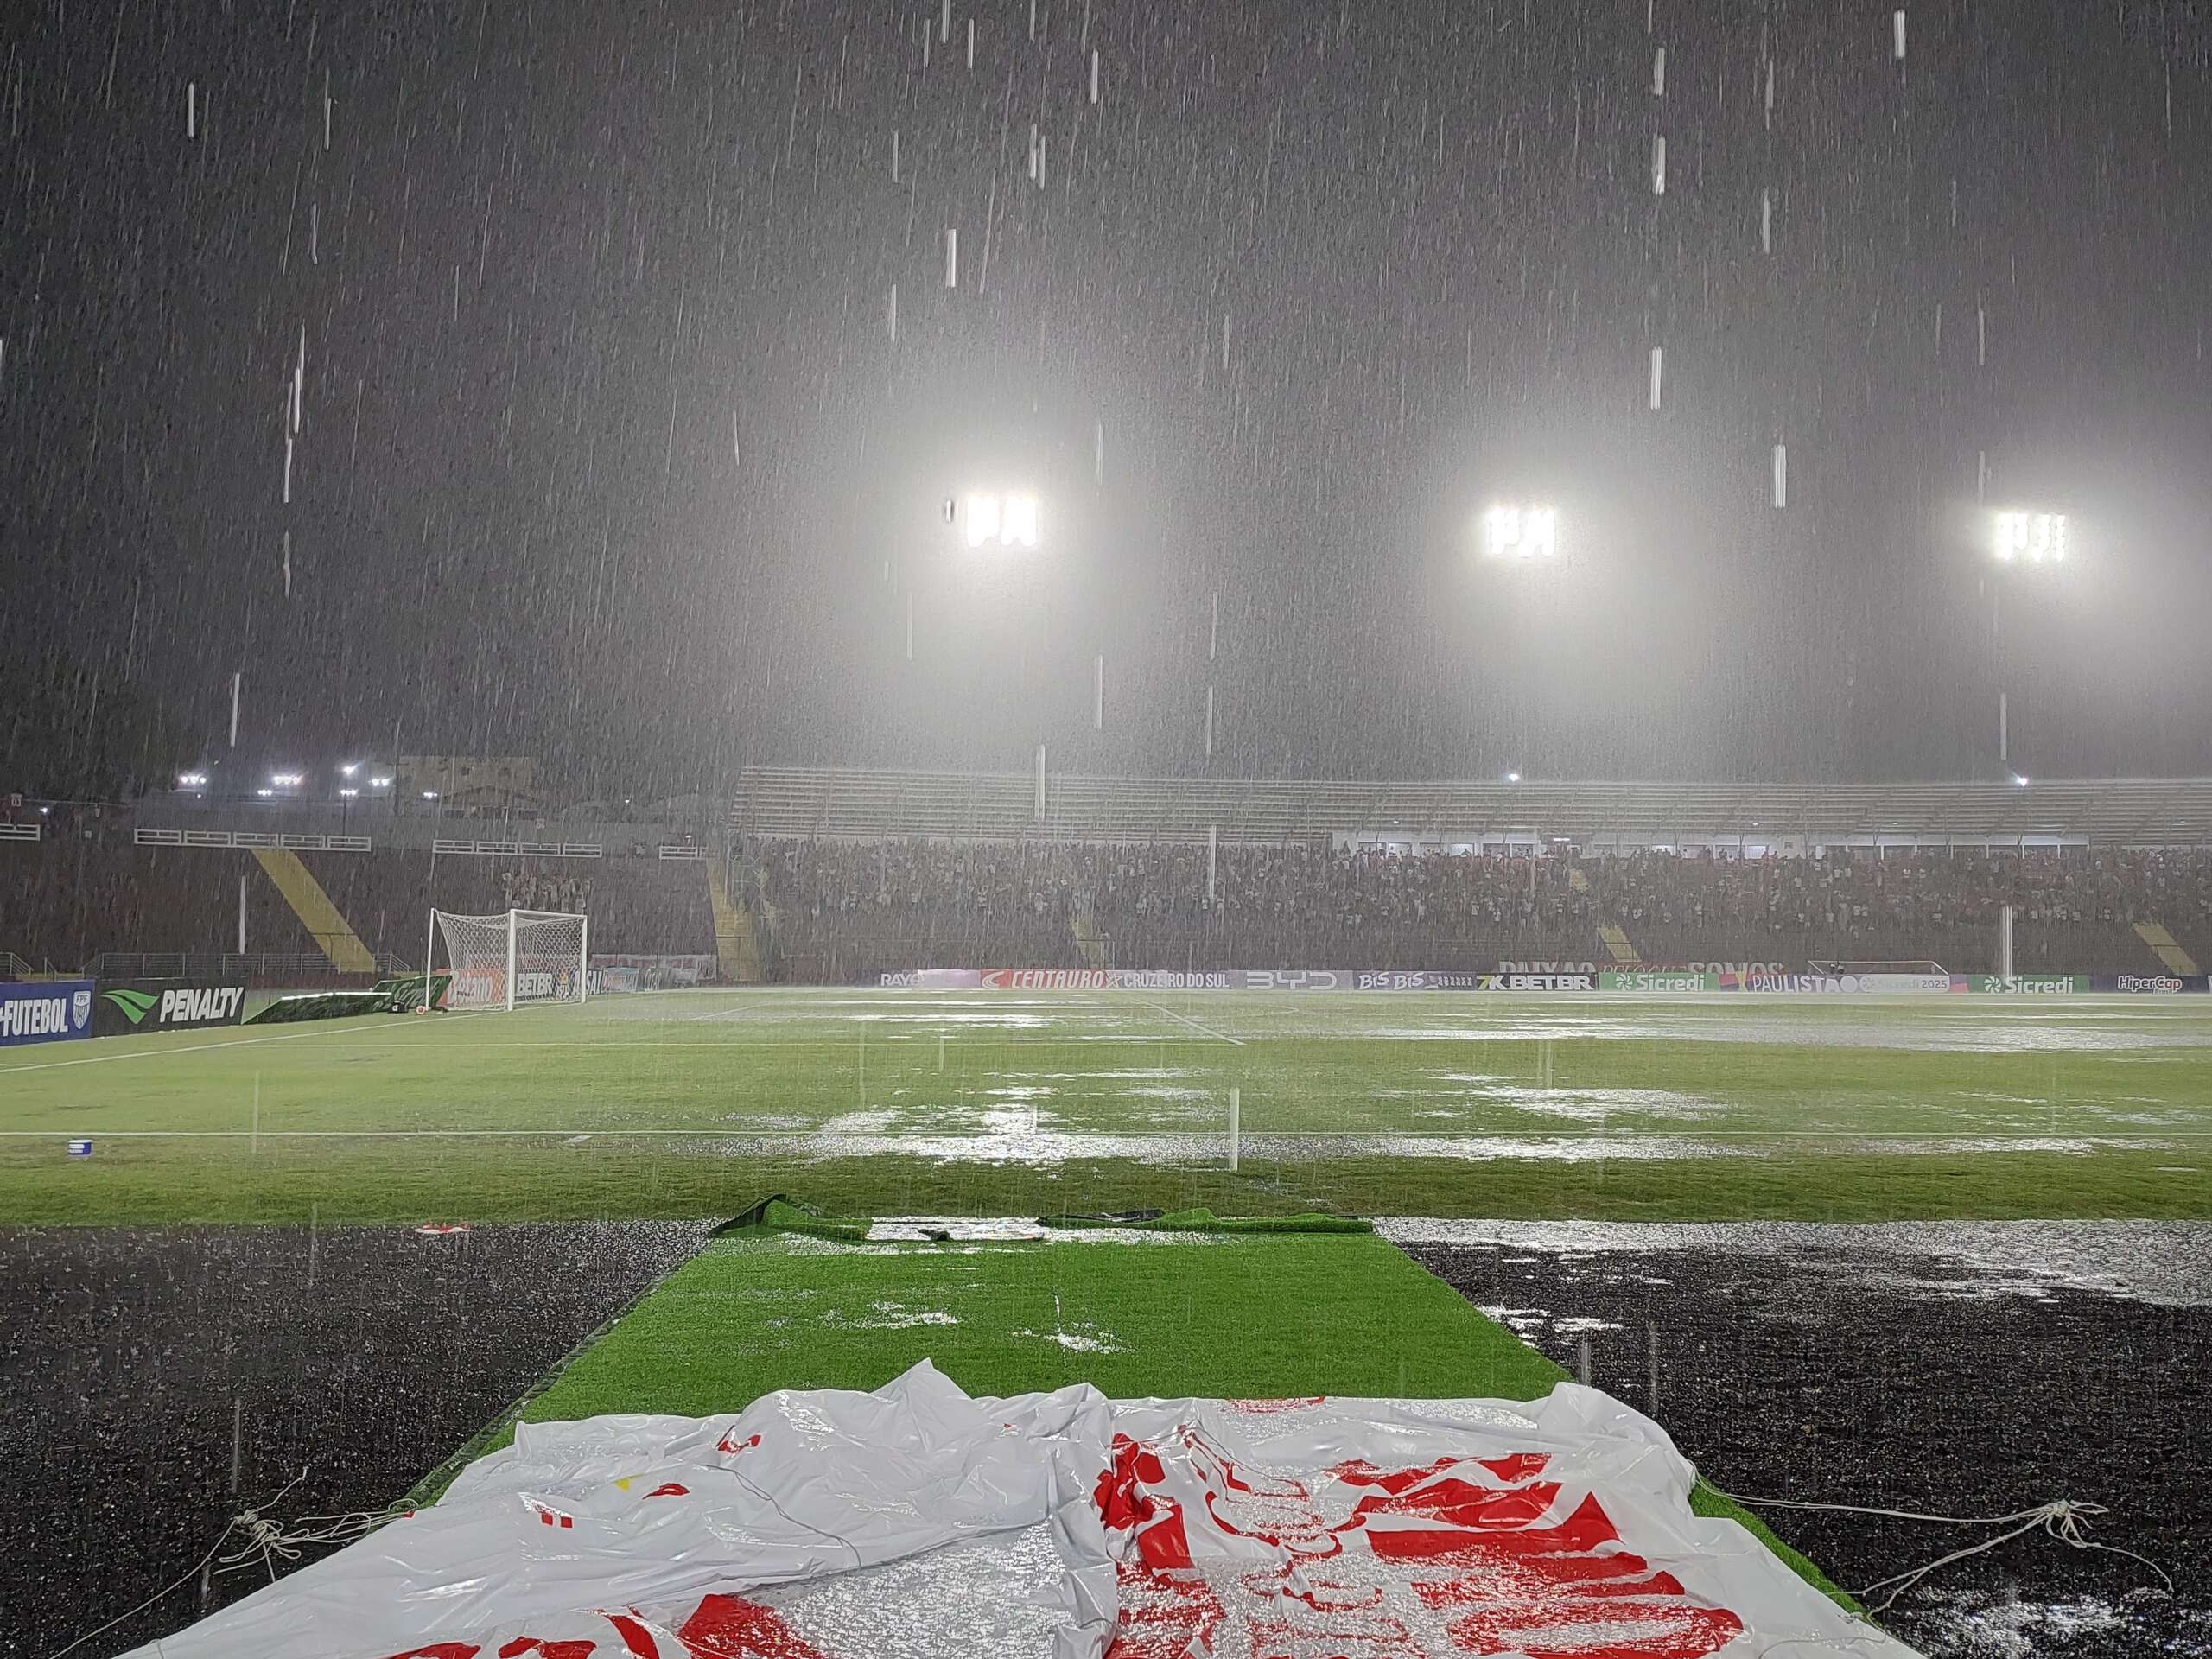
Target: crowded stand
{"x": 838, "y": 910}
{"x": 841, "y": 910}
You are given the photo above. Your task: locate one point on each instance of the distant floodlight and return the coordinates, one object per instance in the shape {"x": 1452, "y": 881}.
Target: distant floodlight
{"x": 286, "y": 780}
{"x": 191, "y": 779}
{"x": 1007, "y": 522}
{"x": 349, "y": 770}
{"x": 1520, "y": 532}
{"x": 349, "y": 793}
{"x": 379, "y": 783}
{"x": 2020, "y": 780}
{"x": 264, "y": 791}
{"x": 983, "y": 519}
{"x": 1512, "y": 777}
{"x": 432, "y": 795}
{"x": 2036, "y": 537}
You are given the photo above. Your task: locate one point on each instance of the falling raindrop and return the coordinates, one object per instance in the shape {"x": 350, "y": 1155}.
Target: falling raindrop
{"x": 1659, "y": 71}
{"x": 1781, "y": 475}
{"x": 1658, "y": 164}
{"x": 1656, "y": 356}
{"x": 951, "y": 257}
{"x": 1897, "y": 40}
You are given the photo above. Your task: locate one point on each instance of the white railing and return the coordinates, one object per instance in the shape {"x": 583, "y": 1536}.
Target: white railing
{"x": 519, "y": 849}
{"x": 250, "y": 838}
{"x": 19, "y": 831}
{"x": 686, "y": 850}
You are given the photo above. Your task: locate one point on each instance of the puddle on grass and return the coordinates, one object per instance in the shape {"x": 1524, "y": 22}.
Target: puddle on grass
{"x": 1082, "y": 1338}
{"x": 889, "y": 1316}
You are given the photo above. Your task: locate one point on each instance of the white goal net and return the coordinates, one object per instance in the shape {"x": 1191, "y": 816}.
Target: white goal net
{"x": 510, "y": 960}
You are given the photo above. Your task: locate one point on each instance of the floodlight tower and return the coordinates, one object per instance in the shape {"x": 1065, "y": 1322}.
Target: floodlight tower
{"x": 2023, "y": 542}
{"x": 1521, "y": 534}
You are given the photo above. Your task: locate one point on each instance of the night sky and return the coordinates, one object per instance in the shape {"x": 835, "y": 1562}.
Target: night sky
{"x": 606, "y": 447}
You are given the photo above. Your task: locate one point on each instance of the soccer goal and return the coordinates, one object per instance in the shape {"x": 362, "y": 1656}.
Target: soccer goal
{"x": 508, "y": 961}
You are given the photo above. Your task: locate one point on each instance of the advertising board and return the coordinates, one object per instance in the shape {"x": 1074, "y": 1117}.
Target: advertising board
{"x": 130, "y": 1005}
{"x": 45, "y": 1011}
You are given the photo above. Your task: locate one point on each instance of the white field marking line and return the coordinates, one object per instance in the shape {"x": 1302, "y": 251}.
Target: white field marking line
{"x": 163, "y": 1053}
{"x": 1218, "y": 1036}
{"x": 2116, "y": 1142}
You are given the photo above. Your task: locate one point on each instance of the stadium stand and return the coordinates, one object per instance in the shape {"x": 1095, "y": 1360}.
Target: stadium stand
{"x": 66, "y": 902}
{"x": 844, "y": 909}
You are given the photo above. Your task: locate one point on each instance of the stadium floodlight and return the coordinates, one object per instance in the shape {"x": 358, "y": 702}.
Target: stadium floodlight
{"x": 1512, "y": 777}
{"x": 1513, "y": 531}
{"x": 350, "y": 767}
{"x": 349, "y": 793}
{"x": 286, "y": 779}
{"x": 429, "y": 794}
{"x": 2020, "y": 780}
{"x": 264, "y": 792}
{"x": 191, "y": 779}
{"x": 2030, "y": 536}
{"x": 1005, "y": 521}
{"x": 379, "y": 783}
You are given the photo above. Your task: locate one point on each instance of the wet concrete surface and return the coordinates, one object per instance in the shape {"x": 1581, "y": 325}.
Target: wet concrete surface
{"x": 1962, "y": 1370}
{"x": 365, "y": 1355}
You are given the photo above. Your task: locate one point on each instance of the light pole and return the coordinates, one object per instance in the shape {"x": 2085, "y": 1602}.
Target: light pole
{"x": 2020, "y": 540}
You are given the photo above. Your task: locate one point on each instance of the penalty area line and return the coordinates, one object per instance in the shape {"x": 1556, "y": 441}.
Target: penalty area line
{"x": 1218, "y": 1036}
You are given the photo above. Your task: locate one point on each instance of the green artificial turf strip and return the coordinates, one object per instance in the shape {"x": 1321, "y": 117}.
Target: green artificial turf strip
{"x": 1209, "y": 1317}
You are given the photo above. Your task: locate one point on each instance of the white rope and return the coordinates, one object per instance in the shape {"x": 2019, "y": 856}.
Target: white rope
{"x": 2062, "y": 1518}
{"x": 267, "y": 1541}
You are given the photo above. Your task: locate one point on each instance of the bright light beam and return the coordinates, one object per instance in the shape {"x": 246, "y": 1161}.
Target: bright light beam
{"x": 1511, "y": 532}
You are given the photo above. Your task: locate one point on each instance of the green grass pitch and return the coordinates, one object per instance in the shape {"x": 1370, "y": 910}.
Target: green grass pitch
{"x": 1163, "y": 1315}
{"x": 882, "y": 1102}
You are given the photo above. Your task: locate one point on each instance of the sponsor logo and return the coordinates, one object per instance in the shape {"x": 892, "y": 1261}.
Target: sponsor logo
{"x": 164, "y": 1005}
{"x": 80, "y": 1007}
{"x": 1535, "y": 967}
{"x": 1045, "y": 979}
{"x": 1652, "y": 980}
{"x": 1830, "y": 982}
{"x": 133, "y": 1005}
{"x": 1538, "y": 981}
{"x": 2163, "y": 983}
{"x": 39, "y": 1016}
{"x": 899, "y": 981}
{"x": 202, "y": 1005}
{"x": 1413, "y": 981}
{"x": 1291, "y": 978}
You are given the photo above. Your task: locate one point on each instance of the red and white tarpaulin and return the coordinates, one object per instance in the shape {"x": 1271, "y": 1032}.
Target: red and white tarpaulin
{"x": 916, "y": 1522}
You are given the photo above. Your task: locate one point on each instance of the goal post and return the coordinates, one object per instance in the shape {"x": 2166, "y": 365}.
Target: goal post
{"x": 515, "y": 959}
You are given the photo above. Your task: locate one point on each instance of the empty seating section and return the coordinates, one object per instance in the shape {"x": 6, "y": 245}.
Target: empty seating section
{"x": 65, "y": 901}
{"x": 844, "y": 909}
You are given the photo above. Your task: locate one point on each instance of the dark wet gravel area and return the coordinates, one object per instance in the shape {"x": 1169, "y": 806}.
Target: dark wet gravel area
{"x": 1818, "y": 1374}
{"x": 127, "y": 1355}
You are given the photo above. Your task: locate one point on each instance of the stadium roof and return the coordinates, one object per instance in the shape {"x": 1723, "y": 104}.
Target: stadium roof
{"x": 807, "y": 801}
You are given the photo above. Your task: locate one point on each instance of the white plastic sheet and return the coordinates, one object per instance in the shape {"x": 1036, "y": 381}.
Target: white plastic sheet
{"x": 916, "y": 1521}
